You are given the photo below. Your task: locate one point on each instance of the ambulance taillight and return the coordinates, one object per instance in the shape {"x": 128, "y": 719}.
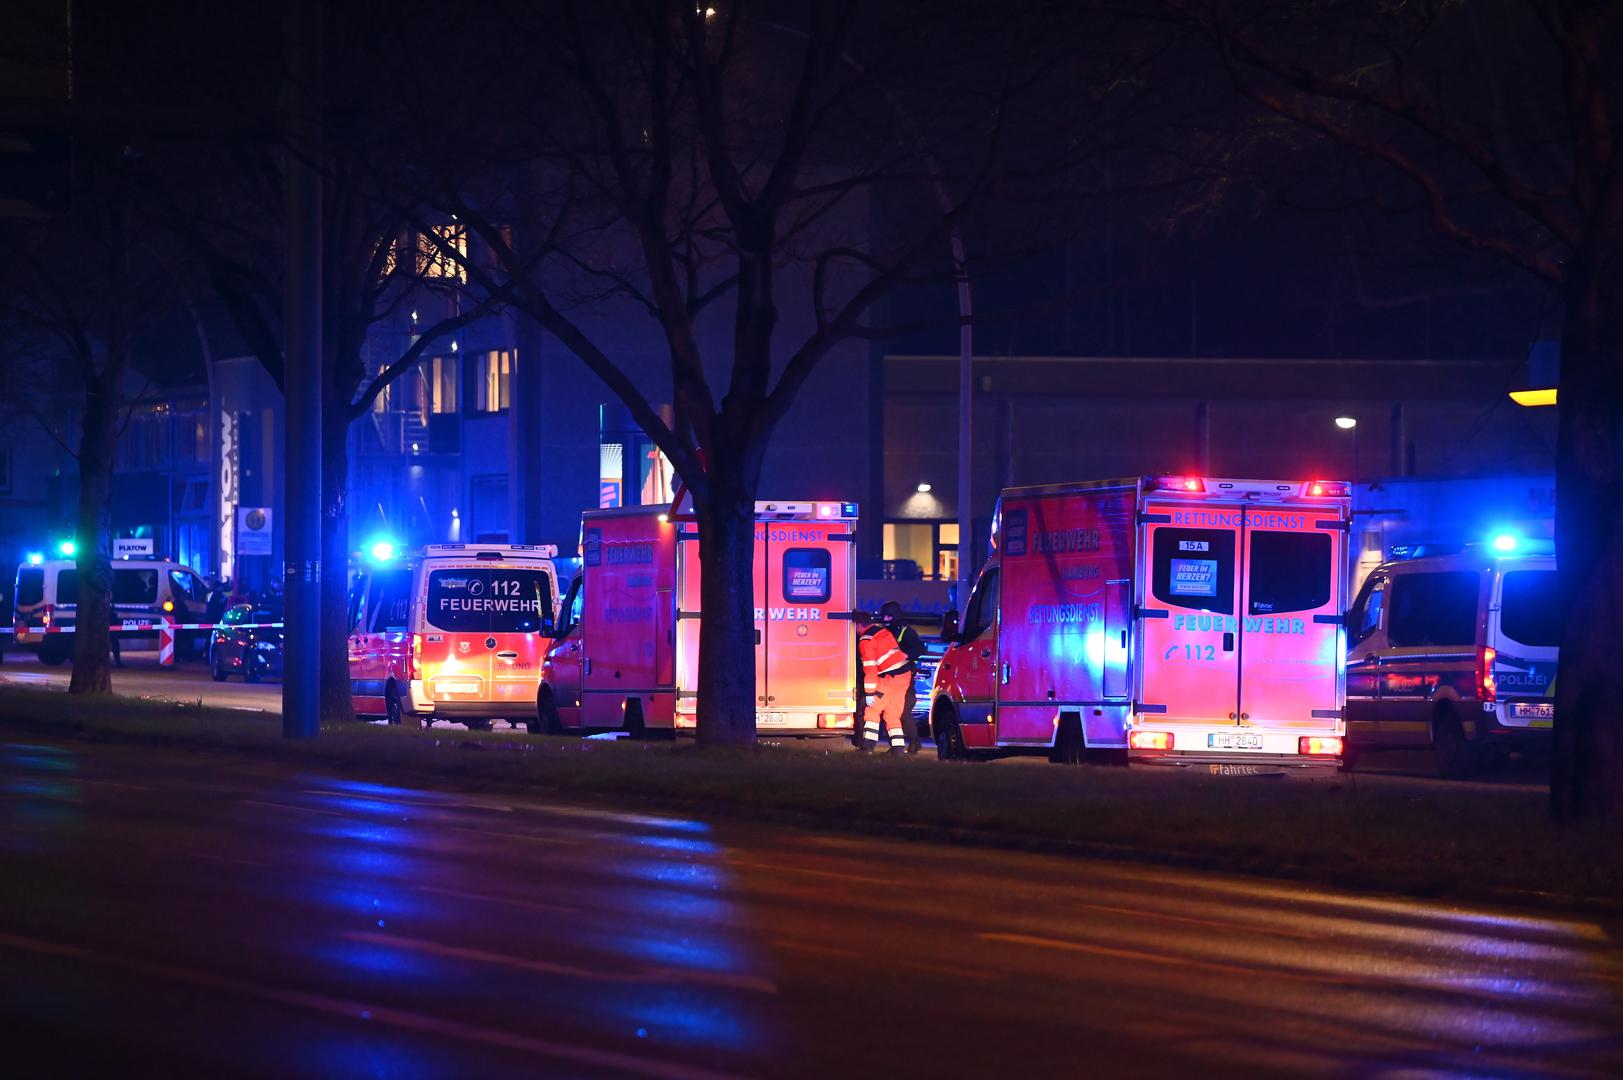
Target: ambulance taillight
{"x": 416, "y": 656}
{"x": 1319, "y": 745}
{"x": 1487, "y": 691}
{"x": 1150, "y": 740}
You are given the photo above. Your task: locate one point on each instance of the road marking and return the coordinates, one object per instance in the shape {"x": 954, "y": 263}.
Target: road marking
{"x": 421, "y": 1023}
{"x": 1179, "y": 961}
{"x": 547, "y": 967}
{"x": 752, "y": 865}
{"x": 532, "y": 905}
{"x": 919, "y": 965}
{"x": 290, "y": 806}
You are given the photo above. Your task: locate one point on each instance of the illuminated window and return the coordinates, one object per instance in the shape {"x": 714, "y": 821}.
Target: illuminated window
{"x": 493, "y": 378}
{"x": 432, "y": 258}
{"x": 439, "y": 385}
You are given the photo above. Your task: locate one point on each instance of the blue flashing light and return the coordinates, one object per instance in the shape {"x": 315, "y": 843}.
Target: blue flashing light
{"x": 1505, "y": 543}
{"x": 36, "y": 558}
{"x": 68, "y": 549}
{"x": 381, "y": 550}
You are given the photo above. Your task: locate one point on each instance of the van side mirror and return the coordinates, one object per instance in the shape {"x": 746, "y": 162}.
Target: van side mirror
{"x": 548, "y": 627}
{"x": 949, "y": 625}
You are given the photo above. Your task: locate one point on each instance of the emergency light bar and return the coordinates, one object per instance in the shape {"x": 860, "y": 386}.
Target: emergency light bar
{"x": 494, "y": 551}
{"x": 1327, "y": 489}
{"x": 1189, "y": 485}
{"x": 800, "y": 511}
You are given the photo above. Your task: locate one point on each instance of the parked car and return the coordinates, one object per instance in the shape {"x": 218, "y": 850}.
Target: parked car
{"x": 1456, "y": 653}
{"x": 248, "y": 643}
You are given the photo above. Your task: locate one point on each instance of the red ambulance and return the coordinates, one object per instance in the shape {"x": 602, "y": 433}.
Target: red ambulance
{"x": 626, "y": 654}
{"x": 1185, "y": 620}
{"x": 456, "y": 633}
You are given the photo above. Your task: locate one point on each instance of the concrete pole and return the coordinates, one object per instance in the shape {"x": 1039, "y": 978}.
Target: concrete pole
{"x": 302, "y": 381}
{"x": 966, "y": 419}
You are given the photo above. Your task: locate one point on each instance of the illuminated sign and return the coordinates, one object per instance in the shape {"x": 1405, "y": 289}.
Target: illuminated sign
{"x": 229, "y": 493}
{"x": 1194, "y": 577}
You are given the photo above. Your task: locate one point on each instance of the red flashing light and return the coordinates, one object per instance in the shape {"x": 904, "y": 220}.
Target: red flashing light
{"x": 1319, "y": 745}
{"x": 1149, "y": 740}
{"x": 1328, "y": 489}
{"x": 1185, "y": 484}
{"x": 1487, "y": 691}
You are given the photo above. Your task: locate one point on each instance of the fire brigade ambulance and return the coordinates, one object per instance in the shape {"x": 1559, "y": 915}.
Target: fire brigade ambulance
{"x": 1184, "y": 620}
{"x": 626, "y": 655}
{"x": 456, "y": 633}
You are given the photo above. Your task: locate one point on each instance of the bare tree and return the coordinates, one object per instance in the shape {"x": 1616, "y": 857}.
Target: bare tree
{"x": 1498, "y": 125}
{"x": 706, "y": 166}
{"x": 75, "y": 292}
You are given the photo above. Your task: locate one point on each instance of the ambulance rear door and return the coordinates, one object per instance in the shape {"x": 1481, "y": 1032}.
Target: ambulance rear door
{"x": 809, "y": 649}
{"x": 482, "y": 620}
{"x": 1291, "y": 645}
{"x": 624, "y": 634}
{"x": 688, "y": 606}
{"x": 1188, "y": 608}
{"x": 1063, "y": 642}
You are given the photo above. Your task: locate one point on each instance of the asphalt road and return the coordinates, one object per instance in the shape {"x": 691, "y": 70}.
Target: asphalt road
{"x": 182, "y": 913}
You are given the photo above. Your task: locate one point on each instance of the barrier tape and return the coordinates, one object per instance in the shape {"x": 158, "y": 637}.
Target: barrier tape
{"x": 140, "y": 626}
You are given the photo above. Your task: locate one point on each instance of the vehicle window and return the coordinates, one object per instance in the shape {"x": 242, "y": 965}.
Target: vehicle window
{"x": 391, "y": 600}
{"x": 357, "y": 593}
{"x": 1289, "y": 571}
{"x": 1364, "y": 618}
{"x": 131, "y": 586}
{"x": 187, "y": 585}
{"x": 1194, "y": 568}
{"x": 489, "y": 600}
{"x": 807, "y": 573}
{"x": 67, "y": 586}
{"x": 982, "y": 606}
{"x": 572, "y": 606}
{"x": 1530, "y": 608}
{"x": 1433, "y": 609}
{"x": 30, "y": 586}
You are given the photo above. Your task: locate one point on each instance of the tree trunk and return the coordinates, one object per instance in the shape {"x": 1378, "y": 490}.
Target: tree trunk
{"x": 92, "y": 533}
{"x": 727, "y": 690}
{"x": 336, "y": 703}
{"x": 1586, "y": 778}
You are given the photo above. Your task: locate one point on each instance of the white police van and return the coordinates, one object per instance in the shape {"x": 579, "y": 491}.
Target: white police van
{"x": 46, "y": 596}
{"x": 1456, "y": 653}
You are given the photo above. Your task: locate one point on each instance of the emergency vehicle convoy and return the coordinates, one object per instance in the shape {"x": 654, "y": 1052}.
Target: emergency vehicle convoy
{"x": 456, "y": 633}
{"x": 626, "y": 656}
{"x": 1185, "y": 620}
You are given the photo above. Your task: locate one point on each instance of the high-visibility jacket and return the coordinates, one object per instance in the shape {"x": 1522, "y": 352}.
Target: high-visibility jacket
{"x": 881, "y": 655}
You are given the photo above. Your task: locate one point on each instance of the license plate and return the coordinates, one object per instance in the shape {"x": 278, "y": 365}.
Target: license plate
{"x": 1539, "y": 711}
{"x": 771, "y": 718}
{"x": 1233, "y": 741}
{"x": 457, "y": 688}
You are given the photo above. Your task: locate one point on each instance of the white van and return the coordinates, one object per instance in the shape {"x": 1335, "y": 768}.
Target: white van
{"x": 1457, "y": 653}
{"x": 144, "y": 590}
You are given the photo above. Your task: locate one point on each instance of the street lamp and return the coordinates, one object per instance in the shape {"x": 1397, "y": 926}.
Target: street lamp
{"x": 924, "y": 489}
{"x": 1346, "y": 423}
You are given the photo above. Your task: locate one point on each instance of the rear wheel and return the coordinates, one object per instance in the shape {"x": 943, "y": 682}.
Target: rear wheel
{"x": 546, "y": 720}
{"x": 217, "y": 670}
{"x": 1455, "y": 756}
{"x": 52, "y": 654}
{"x": 1068, "y": 747}
{"x": 949, "y": 740}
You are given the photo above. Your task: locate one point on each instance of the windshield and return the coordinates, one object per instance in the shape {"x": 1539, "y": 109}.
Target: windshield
{"x": 1531, "y": 610}
{"x": 489, "y": 600}
{"x": 130, "y": 586}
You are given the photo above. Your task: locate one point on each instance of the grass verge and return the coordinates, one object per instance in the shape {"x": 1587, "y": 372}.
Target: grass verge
{"x": 1422, "y": 839}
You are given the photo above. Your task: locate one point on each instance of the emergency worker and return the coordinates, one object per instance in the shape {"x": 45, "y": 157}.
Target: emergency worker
{"x": 886, "y": 674}
{"x": 910, "y": 643}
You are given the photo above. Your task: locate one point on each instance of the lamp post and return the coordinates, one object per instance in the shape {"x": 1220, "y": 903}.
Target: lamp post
{"x": 1350, "y": 423}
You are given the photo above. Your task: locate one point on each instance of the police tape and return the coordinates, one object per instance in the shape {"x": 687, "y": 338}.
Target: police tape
{"x": 144, "y": 626}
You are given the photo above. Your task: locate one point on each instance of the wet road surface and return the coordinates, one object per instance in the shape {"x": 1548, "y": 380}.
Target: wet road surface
{"x": 208, "y": 915}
